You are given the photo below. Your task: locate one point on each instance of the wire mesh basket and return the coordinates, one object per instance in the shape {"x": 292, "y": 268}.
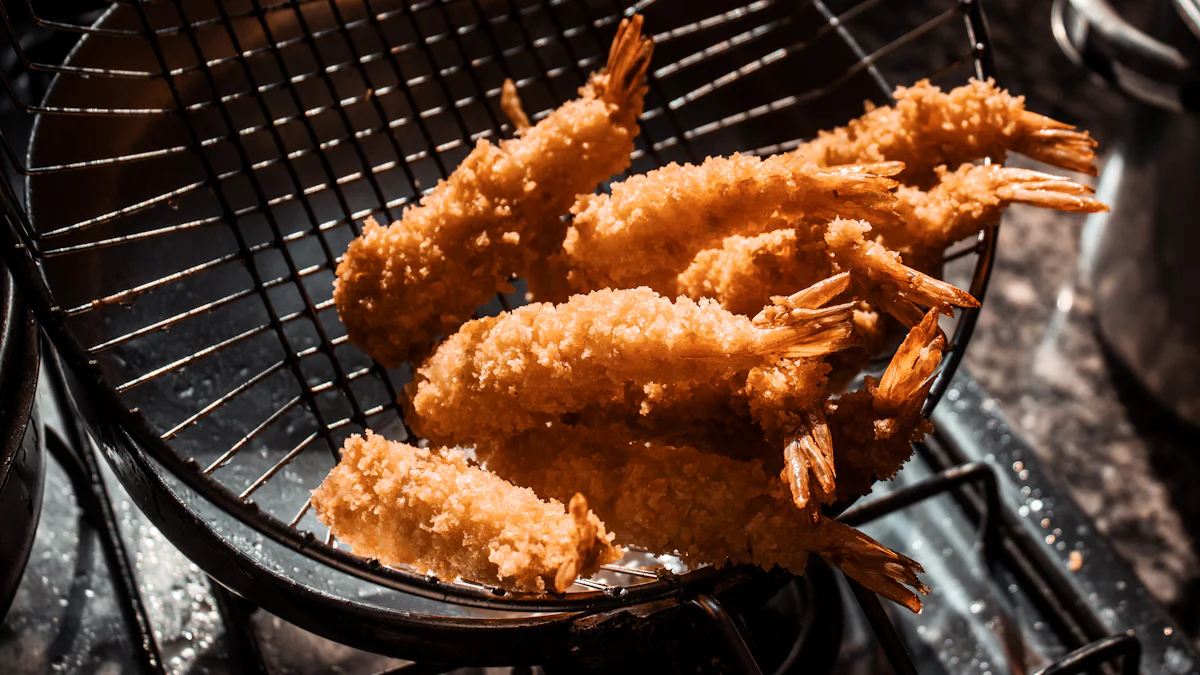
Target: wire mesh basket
{"x": 196, "y": 167}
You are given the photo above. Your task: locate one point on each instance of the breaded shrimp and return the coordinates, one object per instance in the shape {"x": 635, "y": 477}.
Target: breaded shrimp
{"x": 431, "y": 509}
{"x": 709, "y": 508}
{"x": 927, "y": 128}
{"x": 744, "y": 271}
{"x": 653, "y": 225}
{"x": 973, "y": 197}
{"x": 498, "y": 214}
{"x": 874, "y": 428}
{"x": 501, "y": 375}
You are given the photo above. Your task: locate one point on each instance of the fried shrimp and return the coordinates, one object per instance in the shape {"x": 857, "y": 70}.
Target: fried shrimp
{"x": 973, "y": 197}
{"x": 652, "y": 226}
{"x": 927, "y": 128}
{"x": 709, "y": 508}
{"x": 498, "y": 214}
{"x": 501, "y": 375}
{"x": 874, "y": 428}
{"x": 433, "y": 510}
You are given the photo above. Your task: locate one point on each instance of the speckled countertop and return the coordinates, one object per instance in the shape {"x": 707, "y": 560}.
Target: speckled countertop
{"x": 1130, "y": 465}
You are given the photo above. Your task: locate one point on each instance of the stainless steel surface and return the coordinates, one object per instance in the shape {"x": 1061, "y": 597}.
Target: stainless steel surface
{"x": 1135, "y": 258}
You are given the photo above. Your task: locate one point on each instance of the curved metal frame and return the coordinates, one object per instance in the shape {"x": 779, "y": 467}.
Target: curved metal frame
{"x": 131, "y": 442}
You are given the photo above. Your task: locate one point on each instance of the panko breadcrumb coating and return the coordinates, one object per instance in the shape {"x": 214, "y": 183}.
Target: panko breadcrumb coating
{"x": 708, "y": 508}
{"x": 498, "y": 214}
{"x": 501, "y": 375}
{"x": 744, "y": 271}
{"x": 432, "y": 510}
{"x": 652, "y": 226}
{"x": 927, "y": 128}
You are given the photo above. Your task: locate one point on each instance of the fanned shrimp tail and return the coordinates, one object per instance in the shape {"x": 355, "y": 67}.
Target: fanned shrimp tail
{"x": 871, "y": 564}
{"x": 1056, "y": 143}
{"x": 825, "y": 335}
{"x": 624, "y": 76}
{"x": 1024, "y": 186}
{"x": 805, "y": 304}
{"x": 808, "y": 467}
{"x": 904, "y": 385}
{"x": 804, "y": 327}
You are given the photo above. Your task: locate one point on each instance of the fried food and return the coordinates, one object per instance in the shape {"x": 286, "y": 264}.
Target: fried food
{"x": 873, "y": 429}
{"x": 744, "y": 271}
{"x": 652, "y": 226}
{"x": 633, "y": 354}
{"x": 708, "y": 508}
{"x": 498, "y": 214}
{"x": 501, "y": 375}
{"x": 434, "y": 511}
{"x": 927, "y": 128}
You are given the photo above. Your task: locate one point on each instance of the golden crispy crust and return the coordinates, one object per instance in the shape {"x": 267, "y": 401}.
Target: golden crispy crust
{"x": 652, "y": 226}
{"x": 927, "y": 128}
{"x": 502, "y": 375}
{"x": 432, "y": 510}
{"x": 498, "y": 214}
{"x": 708, "y": 508}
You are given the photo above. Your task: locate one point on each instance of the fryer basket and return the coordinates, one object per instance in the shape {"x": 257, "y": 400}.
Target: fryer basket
{"x": 195, "y": 168}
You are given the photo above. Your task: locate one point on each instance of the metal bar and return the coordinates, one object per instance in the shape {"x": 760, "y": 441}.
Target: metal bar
{"x": 798, "y": 99}
{"x": 275, "y": 468}
{"x": 249, "y": 436}
{"x": 290, "y": 167}
{"x": 712, "y": 21}
{"x": 943, "y": 481}
{"x": 75, "y": 455}
{"x": 417, "y": 669}
{"x": 1072, "y": 622}
{"x": 631, "y": 571}
{"x": 885, "y": 632}
{"x": 1125, "y": 647}
{"x": 739, "y": 652}
{"x": 240, "y": 638}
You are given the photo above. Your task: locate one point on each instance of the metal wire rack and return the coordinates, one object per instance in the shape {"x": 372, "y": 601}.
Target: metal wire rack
{"x": 217, "y": 156}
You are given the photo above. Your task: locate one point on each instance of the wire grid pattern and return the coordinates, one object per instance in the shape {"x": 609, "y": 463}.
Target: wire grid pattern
{"x": 226, "y": 153}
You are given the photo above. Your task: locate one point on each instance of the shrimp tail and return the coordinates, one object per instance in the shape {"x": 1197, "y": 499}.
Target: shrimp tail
{"x": 798, "y": 326}
{"x": 593, "y": 546}
{"x": 824, "y": 335}
{"x": 904, "y": 385}
{"x": 622, "y": 79}
{"x": 805, "y": 304}
{"x": 871, "y": 564}
{"x": 514, "y": 110}
{"x": 808, "y": 464}
{"x": 1053, "y": 142}
{"x": 1046, "y": 190}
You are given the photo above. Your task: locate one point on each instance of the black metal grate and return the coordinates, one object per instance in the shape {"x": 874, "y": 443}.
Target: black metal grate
{"x": 196, "y": 168}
